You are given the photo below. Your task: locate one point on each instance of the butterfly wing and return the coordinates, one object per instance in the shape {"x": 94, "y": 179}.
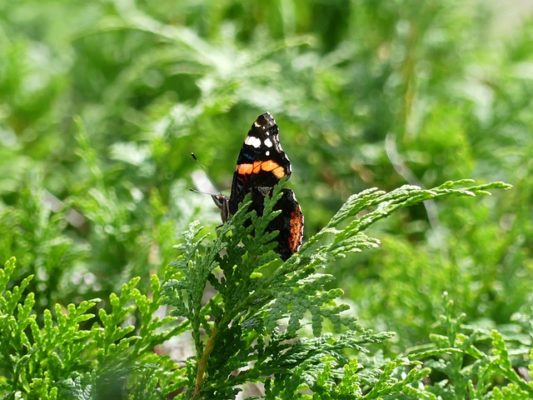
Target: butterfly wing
{"x": 261, "y": 162}
{"x": 289, "y": 223}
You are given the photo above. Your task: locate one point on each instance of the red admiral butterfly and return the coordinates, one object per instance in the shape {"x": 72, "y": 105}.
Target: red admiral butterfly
{"x": 261, "y": 164}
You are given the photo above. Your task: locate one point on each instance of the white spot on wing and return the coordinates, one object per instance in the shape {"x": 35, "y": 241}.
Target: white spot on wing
{"x": 253, "y": 141}
{"x": 267, "y": 153}
{"x": 268, "y": 142}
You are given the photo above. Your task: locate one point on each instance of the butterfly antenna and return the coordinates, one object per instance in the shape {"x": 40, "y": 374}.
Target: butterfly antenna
{"x": 198, "y": 162}
{"x": 200, "y": 192}
{"x": 200, "y": 179}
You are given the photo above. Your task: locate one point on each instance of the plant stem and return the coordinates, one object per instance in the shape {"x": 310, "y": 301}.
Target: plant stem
{"x": 202, "y": 364}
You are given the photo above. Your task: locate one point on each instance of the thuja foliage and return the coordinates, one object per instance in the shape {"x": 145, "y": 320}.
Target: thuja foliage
{"x": 254, "y": 320}
{"x": 250, "y": 330}
{"x": 65, "y": 354}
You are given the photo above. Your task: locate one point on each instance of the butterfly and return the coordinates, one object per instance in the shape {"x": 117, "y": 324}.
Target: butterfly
{"x": 261, "y": 164}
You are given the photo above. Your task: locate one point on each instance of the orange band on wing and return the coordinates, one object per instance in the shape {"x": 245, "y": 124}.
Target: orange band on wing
{"x": 258, "y": 166}
{"x": 244, "y": 169}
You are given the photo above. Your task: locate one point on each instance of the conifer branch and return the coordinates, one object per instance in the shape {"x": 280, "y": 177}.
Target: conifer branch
{"x": 248, "y": 342}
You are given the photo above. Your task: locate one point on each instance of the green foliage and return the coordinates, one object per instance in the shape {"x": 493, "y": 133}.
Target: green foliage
{"x": 250, "y": 329}
{"x": 237, "y": 333}
{"x": 101, "y": 104}
{"x": 63, "y": 357}
{"x": 470, "y": 369}
{"x": 37, "y": 236}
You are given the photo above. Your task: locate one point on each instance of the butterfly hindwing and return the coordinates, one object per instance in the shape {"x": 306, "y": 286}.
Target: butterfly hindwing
{"x": 289, "y": 223}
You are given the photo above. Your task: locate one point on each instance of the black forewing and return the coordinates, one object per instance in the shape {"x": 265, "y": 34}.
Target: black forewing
{"x": 261, "y": 145}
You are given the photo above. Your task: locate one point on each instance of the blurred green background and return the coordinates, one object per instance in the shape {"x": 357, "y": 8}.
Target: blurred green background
{"x": 102, "y": 102}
